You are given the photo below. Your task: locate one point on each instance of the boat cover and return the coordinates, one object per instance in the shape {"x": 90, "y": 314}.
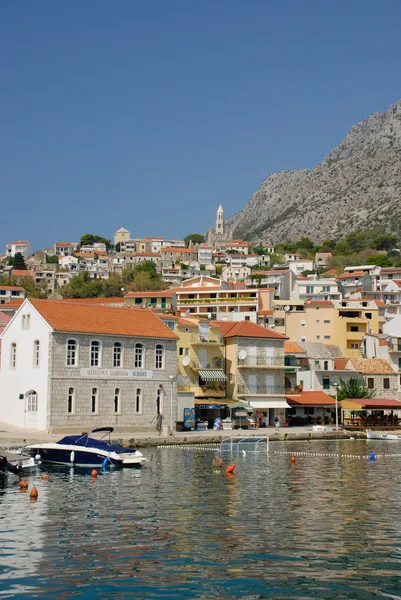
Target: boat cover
{"x": 80, "y": 440}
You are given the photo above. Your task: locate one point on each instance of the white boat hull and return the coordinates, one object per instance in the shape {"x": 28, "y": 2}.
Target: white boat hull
{"x": 378, "y": 435}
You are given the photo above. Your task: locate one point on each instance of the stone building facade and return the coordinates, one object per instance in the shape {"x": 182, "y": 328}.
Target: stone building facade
{"x": 68, "y": 365}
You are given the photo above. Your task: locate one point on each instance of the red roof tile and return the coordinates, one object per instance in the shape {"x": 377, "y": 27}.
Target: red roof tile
{"x": 14, "y": 288}
{"x": 340, "y": 364}
{"x": 292, "y": 348}
{"x": 162, "y": 294}
{"x": 232, "y": 329}
{"x": 85, "y": 318}
{"x": 312, "y": 399}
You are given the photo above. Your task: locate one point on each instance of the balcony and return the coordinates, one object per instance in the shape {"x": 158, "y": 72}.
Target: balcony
{"x": 261, "y": 390}
{"x": 355, "y": 335}
{"x": 200, "y": 340}
{"x": 261, "y": 362}
{"x": 208, "y": 391}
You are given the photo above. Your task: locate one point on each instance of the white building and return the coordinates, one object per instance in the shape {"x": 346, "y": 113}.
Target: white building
{"x": 205, "y": 255}
{"x": 62, "y": 248}
{"x": 300, "y": 265}
{"x": 243, "y": 260}
{"x": 315, "y": 289}
{"x": 235, "y": 274}
{"x": 73, "y": 365}
{"x": 11, "y": 292}
{"x": 20, "y": 246}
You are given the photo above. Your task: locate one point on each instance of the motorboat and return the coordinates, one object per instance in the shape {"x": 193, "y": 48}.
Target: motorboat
{"x": 85, "y": 451}
{"x": 377, "y": 435}
{"x": 16, "y": 463}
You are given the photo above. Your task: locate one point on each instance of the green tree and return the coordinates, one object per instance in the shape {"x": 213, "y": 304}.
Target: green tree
{"x": 117, "y": 247}
{"x": 353, "y": 388}
{"x": 19, "y": 262}
{"x": 305, "y": 244}
{"x": 82, "y": 286}
{"x": 384, "y": 242}
{"x": 357, "y": 241}
{"x": 113, "y": 287}
{"x": 89, "y": 239}
{"x": 147, "y": 266}
{"x": 51, "y": 259}
{"x": 381, "y": 260}
{"x": 196, "y": 238}
{"x": 341, "y": 249}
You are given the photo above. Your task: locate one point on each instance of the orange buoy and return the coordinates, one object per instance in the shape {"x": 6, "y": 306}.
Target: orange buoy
{"x": 23, "y": 484}
{"x": 33, "y": 493}
{"x": 45, "y": 477}
{"x": 94, "y": 473}
{"x": 230, "y": 469}
{"x": 217, "y": 461}
{"x": 292, "y": 459}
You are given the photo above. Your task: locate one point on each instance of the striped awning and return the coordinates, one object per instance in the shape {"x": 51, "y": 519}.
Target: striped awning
{"x": 212, "y": 374}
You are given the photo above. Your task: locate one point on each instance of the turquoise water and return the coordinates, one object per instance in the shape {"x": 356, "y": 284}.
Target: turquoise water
{"x": 322, "y": 528}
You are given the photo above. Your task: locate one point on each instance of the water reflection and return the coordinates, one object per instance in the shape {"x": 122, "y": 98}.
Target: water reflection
{"x": 322, "y": 528}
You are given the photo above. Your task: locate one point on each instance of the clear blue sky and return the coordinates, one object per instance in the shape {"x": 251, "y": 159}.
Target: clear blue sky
{"x": 148, "y": 114}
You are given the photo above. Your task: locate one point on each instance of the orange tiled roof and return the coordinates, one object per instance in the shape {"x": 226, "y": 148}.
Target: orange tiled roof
{"x": 12, "y": 304}
{"x": 372, "y": 366}
{"x": 186, "y": 323}
{"x": 312, "y": 399}
{"x": 264, "y": 312}
{"x": 62, "y": 244}
{"x": 292, "y": 347}
{"x": 12, "y": 288}
{"x": 22, "y": 273}
{"x": 162, "y": 294}
{"x": 379, "y": 303}
{"x": 115, "y": 300}
{"x": 231, "y": 329}
{"x": 85, "y": 318}
{"x": 340, "y": 364}
{"x": 351, "y": 275}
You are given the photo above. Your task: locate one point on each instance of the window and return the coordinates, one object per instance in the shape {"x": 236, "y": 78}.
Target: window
{"x": 386, "y": 383}
{"x": 159, "y": 400}
{"x": 138, "y": 401}
{"x": 159, "y": 357}
{"x": 368, "y": 315}
{"x": 326, "y": 365}
{"x": 371, "y": 383}
{"x": 28, "y": 321}
{"x": 72, "y": 354}
{"x": 95, "y": 354}
{"x": 71, "y": 401}
{"x": 117, "y": 355}
{"x": 13, "y": 355}
{"x": 354, "y": 328}
{"x": 36, "y": 353}
{"x": 138, "y": 356}
{"x": 327, "y": 337}
{"x": 117, "y": 393}
{"x": 326, "y": 383}
{"x": 23, "y": 322}
{"x": 303, "y": 338}
{"x": 94, "y": 400}
{"x": 181, "y": 351}
{"x": 326, "y": 321}
{"x": 303, "y": 323}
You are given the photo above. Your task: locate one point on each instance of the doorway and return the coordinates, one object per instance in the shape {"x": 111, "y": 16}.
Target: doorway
{"x": 31, "y": 409}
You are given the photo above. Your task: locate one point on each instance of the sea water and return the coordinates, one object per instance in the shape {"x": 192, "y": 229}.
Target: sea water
{"x": 322, "y": 527}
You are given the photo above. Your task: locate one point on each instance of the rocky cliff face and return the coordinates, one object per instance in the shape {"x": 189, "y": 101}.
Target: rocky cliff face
{"x": 357, "y": 185}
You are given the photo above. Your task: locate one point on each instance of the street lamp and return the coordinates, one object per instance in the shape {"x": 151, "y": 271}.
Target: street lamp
{"x": 173, "y": 379}
{"x": 336, "y": 386}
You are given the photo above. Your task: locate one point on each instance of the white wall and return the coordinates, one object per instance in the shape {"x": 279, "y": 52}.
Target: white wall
{"x": 25, "y": 376}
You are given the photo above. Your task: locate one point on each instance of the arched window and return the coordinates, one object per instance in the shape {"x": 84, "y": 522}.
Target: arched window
{"x": 117, "y": 394}
{"x": 138, "y": 401}
{"x": 13, "y": 355}
{"x": 71, "y": 400}
{"x": 159, "y": 400}
{"x": 159, "y": 356}
{"x": 138, "y": 356}
{"x": 95, "y": 354}
{"x": 36, "y": 353}
{"x": 95, "y": 401}
{"x": 117, "y": 355}
{"x": 72, "y": 353}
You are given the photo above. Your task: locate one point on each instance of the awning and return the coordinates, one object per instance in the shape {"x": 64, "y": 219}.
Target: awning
{"x": 268, "y": 403}
{"x": 241, "y": 405}
{"x": 212, "y": 374}
{"x": 199, "y": 401}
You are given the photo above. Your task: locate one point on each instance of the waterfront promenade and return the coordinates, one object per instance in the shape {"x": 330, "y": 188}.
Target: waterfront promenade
{"x": 16, "y": 436}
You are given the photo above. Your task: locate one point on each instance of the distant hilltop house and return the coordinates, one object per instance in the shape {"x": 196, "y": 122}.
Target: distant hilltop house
{"x": 20, "y": 246}
{"x": 121, "y": 236}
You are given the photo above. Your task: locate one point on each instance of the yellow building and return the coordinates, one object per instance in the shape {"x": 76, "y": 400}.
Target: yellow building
{"x": 254, "y": 362}
{"x": 340, "y": 322}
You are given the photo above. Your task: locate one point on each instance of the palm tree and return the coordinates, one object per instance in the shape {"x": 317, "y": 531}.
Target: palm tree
{"x": 354, "y": 388}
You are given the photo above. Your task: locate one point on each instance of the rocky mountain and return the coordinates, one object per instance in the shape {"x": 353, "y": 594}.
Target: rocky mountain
{"x": 357, "y": 186}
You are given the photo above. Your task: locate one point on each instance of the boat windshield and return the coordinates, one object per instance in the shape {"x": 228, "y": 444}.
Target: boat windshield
{"x": 85, "y": 440}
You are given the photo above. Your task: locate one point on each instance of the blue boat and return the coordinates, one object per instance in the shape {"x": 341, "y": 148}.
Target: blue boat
{"x": 85, "y": 451}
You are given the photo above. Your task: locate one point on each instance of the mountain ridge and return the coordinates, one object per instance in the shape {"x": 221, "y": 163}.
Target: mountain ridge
{"x": 357, "y": 185}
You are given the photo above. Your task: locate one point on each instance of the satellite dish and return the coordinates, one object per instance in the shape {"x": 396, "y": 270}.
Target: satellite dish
{"x": 287, "y": 308}
{"x": 186, "y": 360}
{"x": 242, "y": 354}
